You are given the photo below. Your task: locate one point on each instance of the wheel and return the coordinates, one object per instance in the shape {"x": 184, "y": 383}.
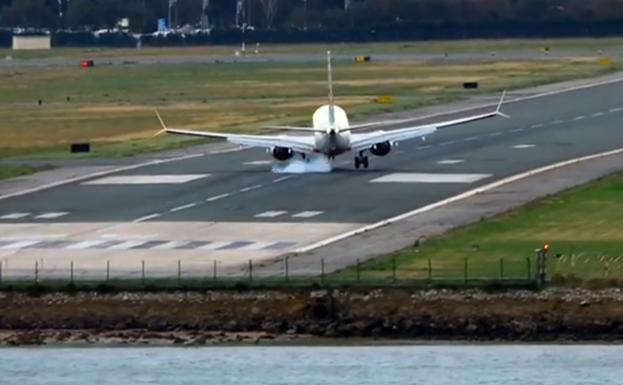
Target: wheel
{"x": 365, "y": 162}
{"x": 357, "y": 162}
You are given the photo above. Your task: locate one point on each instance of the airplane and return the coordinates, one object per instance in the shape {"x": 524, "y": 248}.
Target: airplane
{"x": 331, "y": 133}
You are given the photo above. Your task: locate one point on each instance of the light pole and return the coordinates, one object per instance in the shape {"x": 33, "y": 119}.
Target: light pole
{"x": 304, "y": 15}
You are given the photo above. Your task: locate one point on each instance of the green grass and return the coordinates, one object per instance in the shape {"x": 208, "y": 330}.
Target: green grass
{"x": 584, "y": 225}
{"x": 112, "y": 106}
{"x": 11, "y": 171}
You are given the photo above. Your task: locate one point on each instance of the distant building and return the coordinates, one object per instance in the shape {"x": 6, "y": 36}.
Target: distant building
{"x": 25, "y": 42}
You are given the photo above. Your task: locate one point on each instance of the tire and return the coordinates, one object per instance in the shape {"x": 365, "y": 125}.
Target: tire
{"x": 357, "y": 162}
{"x": 365, "y": 162}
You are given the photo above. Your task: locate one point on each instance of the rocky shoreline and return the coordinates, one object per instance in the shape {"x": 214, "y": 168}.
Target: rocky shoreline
{"x": 303, "y": 316}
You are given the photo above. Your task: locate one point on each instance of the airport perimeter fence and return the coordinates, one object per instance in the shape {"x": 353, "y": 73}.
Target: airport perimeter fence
{"x": 278, "y": 274}
{"x": 197, "y": 273}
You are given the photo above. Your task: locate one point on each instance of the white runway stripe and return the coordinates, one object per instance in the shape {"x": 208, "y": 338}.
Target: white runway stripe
{"x": 451, "y": 161}
{"x": 19, "y": 245}
{"x": 168, "y": 246}
{"x": 126, "y": 245}
{"x": 429, "y": 178}
{"x": 258, "y": 162}
{"x": 52, "y": 215}
{"x": 523, "y": 146}
{"x": 215, "y": 245}
{"x": 256, "y": 246}
{"x": 307, "y": 214}
{"x": 85, "y": 245}
{"x": 15, "y": 216}
{"x": 270, "y": 214}
{"x": 147, "y": 179}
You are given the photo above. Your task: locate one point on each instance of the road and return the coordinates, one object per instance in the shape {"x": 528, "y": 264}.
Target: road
{"x": 231, "y": 208}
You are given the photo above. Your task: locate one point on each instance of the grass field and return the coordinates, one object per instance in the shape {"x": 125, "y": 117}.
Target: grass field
{"x": 11, "y": 171}
{"x": 584, "y": 225}
{"x": 112, "y": 106}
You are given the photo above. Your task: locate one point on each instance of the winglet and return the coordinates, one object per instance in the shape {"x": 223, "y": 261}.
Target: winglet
{"x": 164, "y": 126}
{"x": 499, "y": 107}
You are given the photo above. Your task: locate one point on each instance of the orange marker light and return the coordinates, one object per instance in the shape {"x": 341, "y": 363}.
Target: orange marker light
{"x": 546, "y": 247}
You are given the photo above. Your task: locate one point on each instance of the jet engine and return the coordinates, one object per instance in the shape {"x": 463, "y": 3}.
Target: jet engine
{"x": 381, "y": 149}
{"x": 282, "y": 153}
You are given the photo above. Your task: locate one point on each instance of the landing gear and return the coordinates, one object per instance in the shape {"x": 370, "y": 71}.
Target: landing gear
{"x": 361, "y": 160}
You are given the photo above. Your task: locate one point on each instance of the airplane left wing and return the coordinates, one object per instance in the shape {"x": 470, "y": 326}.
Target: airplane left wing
{"x": 300, "y": 144}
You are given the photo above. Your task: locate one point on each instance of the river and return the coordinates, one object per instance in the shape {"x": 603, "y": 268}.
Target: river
{"x": 310, "y": 365}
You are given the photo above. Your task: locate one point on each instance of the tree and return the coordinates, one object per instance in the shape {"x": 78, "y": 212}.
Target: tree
{"x": 29, "y": 13}
{"x": 270, "y": 8}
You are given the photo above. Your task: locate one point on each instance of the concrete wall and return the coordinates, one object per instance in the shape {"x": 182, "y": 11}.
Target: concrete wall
{"x": 31, "y": 42}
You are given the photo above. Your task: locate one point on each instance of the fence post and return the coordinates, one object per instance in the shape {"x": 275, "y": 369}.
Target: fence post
{"x": 465, "y": 272}
{"x": 529, "y": 268}
{"x": 394, "y": 270}
{"x": 286, "y": 268}
{"x": 143, "y": 272}
{"x": 322, "y": 271}
{"x": 250, "y": 270}
{"x": 71, "y": 272}
{"x": 0, "y": 272}
{"x": 430, "y": 271}
{"x": 214, "y": 270}
{"x": 36, "y": 271}
{"x": 107, "y": 271}
{"x": 179, "y": 271}
{"x": 501, "y": 269}
{"x": 358, "y": 271}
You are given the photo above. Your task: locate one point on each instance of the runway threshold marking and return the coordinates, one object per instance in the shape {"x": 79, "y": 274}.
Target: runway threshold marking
{"x": 429, "y": 178}
{"x": 146, "y": 179}
{"x": 307, "y": 214}
{"x": 15, "y": 216}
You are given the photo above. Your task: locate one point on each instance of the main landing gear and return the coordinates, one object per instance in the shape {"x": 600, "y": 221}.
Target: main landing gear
{"x": 361, "y": 160}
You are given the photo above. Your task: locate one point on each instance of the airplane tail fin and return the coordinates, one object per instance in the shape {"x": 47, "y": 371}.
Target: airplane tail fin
{"x": 330, "y": 82}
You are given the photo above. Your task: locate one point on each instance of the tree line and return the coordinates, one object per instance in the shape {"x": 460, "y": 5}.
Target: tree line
{"x": 300, "y": 14}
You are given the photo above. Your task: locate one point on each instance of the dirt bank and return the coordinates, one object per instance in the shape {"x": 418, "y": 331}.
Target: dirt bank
{"x": 255, "y": 316}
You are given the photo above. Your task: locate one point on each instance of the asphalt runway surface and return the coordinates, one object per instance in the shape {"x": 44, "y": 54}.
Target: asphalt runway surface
{"x": 507, "y": 54}
{"x": 230, "y": 207}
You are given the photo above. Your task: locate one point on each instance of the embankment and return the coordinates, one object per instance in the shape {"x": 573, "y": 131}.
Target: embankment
{"x": 255, "y": 316}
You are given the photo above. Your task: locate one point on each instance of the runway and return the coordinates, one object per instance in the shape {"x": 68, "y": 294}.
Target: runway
{"x": 229, "y": 206}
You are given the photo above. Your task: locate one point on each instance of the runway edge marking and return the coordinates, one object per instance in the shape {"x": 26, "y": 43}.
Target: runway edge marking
{"x": 236, "y": 149}
{"x": 456, "y": 198}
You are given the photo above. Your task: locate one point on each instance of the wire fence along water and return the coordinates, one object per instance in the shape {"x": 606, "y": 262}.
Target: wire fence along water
{"x": 299, "y": 272}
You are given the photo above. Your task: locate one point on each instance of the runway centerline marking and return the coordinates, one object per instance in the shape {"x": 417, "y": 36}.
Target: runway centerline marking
{"x": 52, "y": 215}
{"x": 471, "y": 138}
{"x": 270, "y": 214}
{"x": 495, "y": 133}
{"x": 424, "y": 147}
{"x": 577, "y": 118}
{"x": 429, "y": 178}
{"x": 517, "y": 130}
{"x": 598, "y": 114}
{"x": 217, "y": 197}
{"x": 281, "y": 179}
{"x": 184, "y": 207}
{"x": 557, "y": 122}
{"x": 538, "y": 125}
{"x": 146, "y": 179}
{"x": 251, "y": 188}
{"x": 524, "y": 146}
{"x": 258, "y": 162}
{"x": 146, "y": 218}
{"x": 617, "y": 109}
{"x": 450, "y": 161}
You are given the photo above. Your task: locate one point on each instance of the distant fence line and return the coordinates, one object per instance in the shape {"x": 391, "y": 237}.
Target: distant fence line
{"x": 429, "y": 31}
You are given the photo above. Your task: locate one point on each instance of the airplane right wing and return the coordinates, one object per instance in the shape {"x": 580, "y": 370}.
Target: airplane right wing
{"x": 298, "y": 144}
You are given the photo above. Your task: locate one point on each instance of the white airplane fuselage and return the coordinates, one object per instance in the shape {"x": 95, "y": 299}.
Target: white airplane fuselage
{"x": 331, "y": 140}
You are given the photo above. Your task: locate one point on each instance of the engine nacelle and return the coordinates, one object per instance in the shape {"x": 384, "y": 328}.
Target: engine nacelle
{"x": 381, "y": 149}
{"x": 282, "y": 153}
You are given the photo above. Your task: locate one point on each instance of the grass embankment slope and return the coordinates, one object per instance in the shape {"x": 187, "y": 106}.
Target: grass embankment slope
{"x": 584, "y": 225}
{"x": 112, "y": 106}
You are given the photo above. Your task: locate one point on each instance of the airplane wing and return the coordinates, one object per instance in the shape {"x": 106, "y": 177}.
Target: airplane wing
{"x": 364, "y": 141}
{"x": 300, "y": 144}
